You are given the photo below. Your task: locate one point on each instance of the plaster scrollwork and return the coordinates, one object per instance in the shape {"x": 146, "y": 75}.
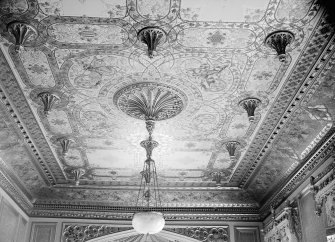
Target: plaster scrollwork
{"x": 204, "y": 234}
{"x": 106, "y": 233}
{"x": 286, "y": 226}
{"x": 81, "y": 233}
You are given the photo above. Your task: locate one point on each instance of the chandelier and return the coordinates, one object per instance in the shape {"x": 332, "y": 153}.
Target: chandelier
{"x": 151, "y": 102}
{"x": 148, "y": 221}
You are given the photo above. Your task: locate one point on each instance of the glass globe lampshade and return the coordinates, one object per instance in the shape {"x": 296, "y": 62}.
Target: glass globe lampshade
{"x": 148, "y": 222}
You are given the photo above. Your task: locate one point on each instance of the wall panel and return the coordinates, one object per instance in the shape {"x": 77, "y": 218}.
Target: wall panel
{"x": 8, "y": 222}
{"x": 247, "y": 234}
{"x": 43, "y": 232}
{"x": 22, "y": 230}
{"x": 313, "y": 227}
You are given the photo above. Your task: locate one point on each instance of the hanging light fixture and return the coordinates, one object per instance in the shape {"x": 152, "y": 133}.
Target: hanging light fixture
{"x": 151, "y": 102}
{"x": 148, "y": 221}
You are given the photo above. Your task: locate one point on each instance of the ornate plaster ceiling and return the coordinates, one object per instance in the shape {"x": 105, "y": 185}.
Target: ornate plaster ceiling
{"x": 87, "y": 54}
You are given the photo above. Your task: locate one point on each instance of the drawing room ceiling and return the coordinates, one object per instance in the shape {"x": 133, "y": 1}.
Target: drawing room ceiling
{"x": 87, "y": 56}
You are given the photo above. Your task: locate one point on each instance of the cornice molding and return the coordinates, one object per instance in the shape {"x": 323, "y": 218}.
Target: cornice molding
{"x": 318, "y": 156}
{"x": 280, "y": 113}
{"x": 169, "y": 217}
{"x": 323, "y": 186}
{"x": 22, "y": 115}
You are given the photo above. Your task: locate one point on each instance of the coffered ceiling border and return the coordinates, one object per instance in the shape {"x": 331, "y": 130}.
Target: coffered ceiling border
{"x": 323, "y": 64}
{"x": 320, "y": 70}
{"x": 24, "y": 117}
{"x": 318, "y": 155}
{"x": 10, "y": 114}
{"x": 302, "y": 76}
{"x": 324, "y": 148}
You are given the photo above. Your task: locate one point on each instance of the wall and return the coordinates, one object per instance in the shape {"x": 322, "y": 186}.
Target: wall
{"x": 13, "y": 221}
{"x": 43, "y": 231}
{"x": 51, "y": 229}
{"x": 16, "y": 226}
{"x": 313, "y": 227}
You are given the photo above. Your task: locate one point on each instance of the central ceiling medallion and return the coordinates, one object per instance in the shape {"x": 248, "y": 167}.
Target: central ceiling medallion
{"x": 152, "y": 37}
{"x": 150, "y": 101}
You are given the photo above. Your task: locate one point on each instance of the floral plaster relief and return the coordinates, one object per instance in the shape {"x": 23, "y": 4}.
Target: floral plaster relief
{"x": 89, "y": 8}
{"x": 263, "y": 73}
{"x": 223, "y": 10}
{"x": 59, "y": 122}
{"x": 86, "y": 34}
{"x": 216, "y": 38}
{"x": 238, "y": 126}
{"x": 35, "y": 63}
{"x": 212, "y": 76}
{"x": 95, "y": 71}
{"x": 73, "y": 158}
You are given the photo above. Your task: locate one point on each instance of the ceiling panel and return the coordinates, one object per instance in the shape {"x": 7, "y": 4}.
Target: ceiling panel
{"x": 88, "y": 55}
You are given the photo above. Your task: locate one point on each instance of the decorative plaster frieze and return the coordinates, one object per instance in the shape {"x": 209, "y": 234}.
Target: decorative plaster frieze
{"x": 205, "y": 234}
{"x": 86, "y": 232}
{"x": 81, "y": 233}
